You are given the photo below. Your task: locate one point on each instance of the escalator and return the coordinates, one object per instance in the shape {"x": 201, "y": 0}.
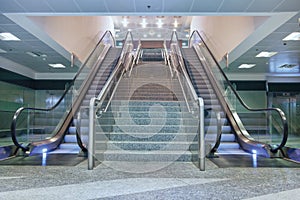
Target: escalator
{"x": 212, "y": 105}
{"x": 232, "y": 128}
{"x": 62, "y": 128}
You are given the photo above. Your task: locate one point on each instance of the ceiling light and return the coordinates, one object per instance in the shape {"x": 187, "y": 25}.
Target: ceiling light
{"x": 265, "y": 54}
{"x": 246, "y": 66}
{"x": 57, "y": 65}
{"x": 175, "y": 23}
{"x": 125, "y": 22}
{"x": 33, "y": 54}
{"x": 144, "y": 23}
{"x": 8, "y": 37}
{"x": 159, "y": 23}
{"x": 292, "y": 36}
{"x": 288, "y": 66}
{"x": 37, "y": 54}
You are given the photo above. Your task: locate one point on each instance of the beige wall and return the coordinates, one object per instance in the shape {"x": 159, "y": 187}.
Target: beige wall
{"x": 77, "y": 34}
{"x": 224, "y": 33}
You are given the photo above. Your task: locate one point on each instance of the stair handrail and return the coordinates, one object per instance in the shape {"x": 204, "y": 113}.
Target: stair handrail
{"x": 135, "y": 58}
{"x": 278, "y": 110}
{"x": 125, "y": 55}
{"x": 199, "y": 101}
{"x": 167, "y": 61}
{"x": 96, "y": 102}
{"x": 22, "y": 109}
{"x": 181, "y": 64}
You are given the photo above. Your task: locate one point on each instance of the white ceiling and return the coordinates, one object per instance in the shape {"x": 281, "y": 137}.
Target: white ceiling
{"x": 287, "y": 54}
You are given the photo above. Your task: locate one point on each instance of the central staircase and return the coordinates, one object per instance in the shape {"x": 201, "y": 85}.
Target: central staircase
{"x": 147, "y": 122}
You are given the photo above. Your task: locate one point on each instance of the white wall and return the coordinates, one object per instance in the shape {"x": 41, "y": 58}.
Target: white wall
{"x": 77, "y": 34}
{"x": 224, "y": 33}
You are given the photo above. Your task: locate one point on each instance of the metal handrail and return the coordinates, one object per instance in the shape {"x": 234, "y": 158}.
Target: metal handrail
{"x": 167, "y": 61}
{"x": 97, "y": 101}
{"x": 200, "y": 104}
{"x": 107, "y": 85}
{"x": 279, "y": 111}
{"x": 20, "y": 110}
{"x": 181, "y": 64}
{"x": 135, "y": 58}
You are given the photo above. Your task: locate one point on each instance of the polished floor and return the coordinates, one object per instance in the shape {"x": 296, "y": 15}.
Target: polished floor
{"x": 174, "y": 180}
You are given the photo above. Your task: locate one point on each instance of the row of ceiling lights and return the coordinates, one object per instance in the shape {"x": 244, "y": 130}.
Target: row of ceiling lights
{"x": 144, "y": 23}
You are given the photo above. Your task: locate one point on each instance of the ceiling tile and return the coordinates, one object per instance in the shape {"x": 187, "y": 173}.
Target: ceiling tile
{"x": 177, "y": 5}
{"x": 35, "y": 6}
{"x": 91, "y": 5}
{"x": 5, "y": 20}
{"x": 25, "y": 36}
{"x": 263, "y": 6}
{"x": 12, "y": 28}
{"x": 288, "y": 6}
{"x": 206, "y": 6}
{"x": 288, "y": 28}
{"x": 8, "y": 6}
{"x": 235, "y": 5}
{"x": 63, "y": 5}
{"x": 155, "y": 5}
{"x": 119, "y": 6}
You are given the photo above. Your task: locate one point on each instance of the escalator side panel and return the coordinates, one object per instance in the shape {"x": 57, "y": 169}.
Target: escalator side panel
{"x": 53, "y": 143}
{"x": 204, "y": 87}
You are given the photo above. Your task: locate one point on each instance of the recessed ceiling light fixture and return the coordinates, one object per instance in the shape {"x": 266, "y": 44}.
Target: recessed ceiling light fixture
{"x": 159, "y": 23}
{"x": 292, "y": 36}
{"x": 8, "y": 37}
{"x": 175, "y": 23}
{"x": 288, "y": 66}
{"x": 144, "y": 23}
{"x": 125, "y": 22}
{"x": 246, "y": 66}
{"x": 265, "y": 54}
{"x": 57, "y": 65}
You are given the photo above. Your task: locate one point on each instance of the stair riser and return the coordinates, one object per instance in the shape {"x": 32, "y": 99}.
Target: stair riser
{"x": 134, "y": 146}
{"x": 159, "y": 137}
{"x": 147, "y": 157}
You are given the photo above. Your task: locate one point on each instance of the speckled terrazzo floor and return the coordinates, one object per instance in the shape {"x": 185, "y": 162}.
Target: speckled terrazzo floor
{"x": 174, "y": 181}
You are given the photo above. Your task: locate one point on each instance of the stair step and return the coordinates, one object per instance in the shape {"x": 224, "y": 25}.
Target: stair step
{"x": 70, "y": 138}
{"x": 229, "y": 145}
{"x": 145, "y": 145}
{"x": 149, "y": 137}
{"x": 69, "y": 146}
{"x": 224, "y": 137}
{"x": 146, "y": 156}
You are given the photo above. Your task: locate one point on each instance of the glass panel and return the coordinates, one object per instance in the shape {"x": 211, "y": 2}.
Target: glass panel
{"x": 37, "y": 124}
{"x": 290, "y": 104}
{"x": 263, "y": 126}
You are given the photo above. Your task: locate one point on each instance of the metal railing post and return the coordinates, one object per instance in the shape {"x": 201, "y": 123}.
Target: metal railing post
{"x": 201, "y": 140}
{"x": 91, "y": 160}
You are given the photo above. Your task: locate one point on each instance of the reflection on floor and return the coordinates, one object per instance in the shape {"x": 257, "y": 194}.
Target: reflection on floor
{"x": 226, "y": 161}
{"x": 45, "y": 160}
